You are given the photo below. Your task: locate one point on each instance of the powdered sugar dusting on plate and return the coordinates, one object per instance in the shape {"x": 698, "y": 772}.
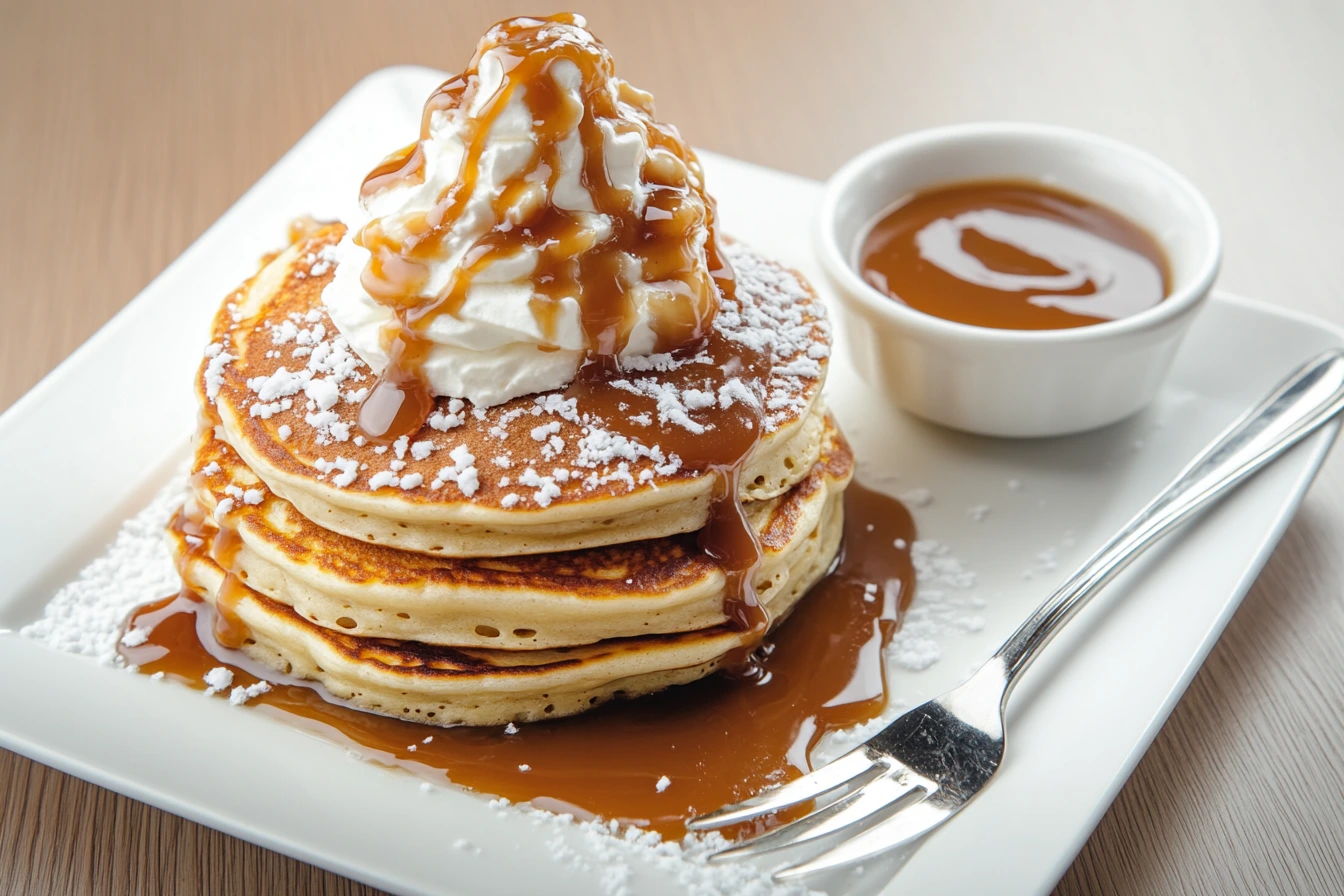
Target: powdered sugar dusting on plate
{"x": 613, "y": 854}
{"x": 86, "y": 616}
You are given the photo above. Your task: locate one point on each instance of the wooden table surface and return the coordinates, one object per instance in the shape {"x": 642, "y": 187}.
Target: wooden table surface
{"x": 128, "y": 128}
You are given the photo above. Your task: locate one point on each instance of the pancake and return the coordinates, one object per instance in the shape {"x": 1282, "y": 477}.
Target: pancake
{"x": 441, "y": 685}
{"x": 537, "y": 601}
{"x": 564, "y": 470}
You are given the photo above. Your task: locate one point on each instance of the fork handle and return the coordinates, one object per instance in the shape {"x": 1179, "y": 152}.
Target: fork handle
{"x": 1299, "y": 405}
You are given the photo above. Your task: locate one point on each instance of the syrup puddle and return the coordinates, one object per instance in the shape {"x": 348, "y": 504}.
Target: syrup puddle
{"x": 718, "y": 740}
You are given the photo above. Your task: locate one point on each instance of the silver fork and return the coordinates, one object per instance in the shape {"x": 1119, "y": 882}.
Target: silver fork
{"x": 928, "y": 764}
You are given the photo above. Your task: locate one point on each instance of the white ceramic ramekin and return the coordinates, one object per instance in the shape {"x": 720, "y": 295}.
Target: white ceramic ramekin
{"x": 1016, "y": 382}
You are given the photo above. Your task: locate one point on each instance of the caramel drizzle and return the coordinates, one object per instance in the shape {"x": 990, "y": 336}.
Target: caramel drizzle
{"x": 569, "y": 263}
{"x": 722, "y": 450}
{"x": 222, "y": 546}
{"x": 221, "y": 542}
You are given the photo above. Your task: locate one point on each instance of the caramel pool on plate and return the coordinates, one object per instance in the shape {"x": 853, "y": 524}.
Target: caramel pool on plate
{"x": 1013, "y": 255}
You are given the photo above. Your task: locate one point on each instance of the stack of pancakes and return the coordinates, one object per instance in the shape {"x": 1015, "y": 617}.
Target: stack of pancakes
{"x": 505, "y": 564}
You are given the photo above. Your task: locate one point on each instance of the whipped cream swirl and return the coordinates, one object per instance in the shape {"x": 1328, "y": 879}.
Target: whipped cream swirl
{"x": 543, "y": 217}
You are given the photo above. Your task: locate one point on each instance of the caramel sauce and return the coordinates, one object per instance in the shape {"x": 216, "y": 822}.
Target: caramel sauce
{"x": 400, "y": 402}
{"x": 221, "y": 542}
{"x": 719, "y": 740}
{"x": 221, "y": 545}
{"x": 569, "y": 262}
{"x": 721, "y": 448}
{"x": 1014, "y": 255}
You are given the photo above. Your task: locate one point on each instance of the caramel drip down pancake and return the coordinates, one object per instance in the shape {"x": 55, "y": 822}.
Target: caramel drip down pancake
{"x": 538, "y": 474}
{"x": 445, "y": 685}
{"x": 655, "y": 586}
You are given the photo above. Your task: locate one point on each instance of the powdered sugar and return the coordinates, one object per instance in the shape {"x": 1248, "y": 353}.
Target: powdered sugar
{"x": 615, "y": 856}
{"x": 444, "y": 421}
{"x": 135, "y": 637}
{"x": 546, "y": 430}
{"x": 214, "y": 371}
{"x": 303, "y": 376}
{"x": 217, "y": 679}
{"x": 240, "y": 695}
{"x": 318, "y": 262}
{"x": 783, "y": 322}
{"x": 86, "y": 616}
{"x": 383, "y": 479}
{"x": 546, "y": 488}
{"x": 463, "y": 472}
{"x": 326, "y": 364}
{"x": 946, "y": 605}
{"x": 348, "y": 467}
{"x": 784, "y": 326}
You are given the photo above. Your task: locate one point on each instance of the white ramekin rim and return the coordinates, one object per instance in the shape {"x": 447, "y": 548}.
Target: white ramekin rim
{"x": 835, "y": 259}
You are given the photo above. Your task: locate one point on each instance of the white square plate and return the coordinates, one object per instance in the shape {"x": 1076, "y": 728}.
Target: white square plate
{"x": 1079, "y": 723}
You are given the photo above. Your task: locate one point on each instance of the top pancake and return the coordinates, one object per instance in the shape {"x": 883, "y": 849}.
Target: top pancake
{"x": 548, "y": 472}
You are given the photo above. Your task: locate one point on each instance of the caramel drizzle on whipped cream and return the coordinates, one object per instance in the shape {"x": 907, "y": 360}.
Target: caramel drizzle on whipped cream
{"x": 661, "y": 237}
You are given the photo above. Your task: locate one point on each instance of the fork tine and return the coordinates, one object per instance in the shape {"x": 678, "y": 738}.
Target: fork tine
{"x": 853, "y": 807}
{"x": 829, "y": 777}
{"x": 901, "y": 828}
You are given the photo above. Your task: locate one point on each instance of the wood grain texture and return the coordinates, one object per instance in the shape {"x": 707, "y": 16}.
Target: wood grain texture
{"x": 129, "y": 128}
